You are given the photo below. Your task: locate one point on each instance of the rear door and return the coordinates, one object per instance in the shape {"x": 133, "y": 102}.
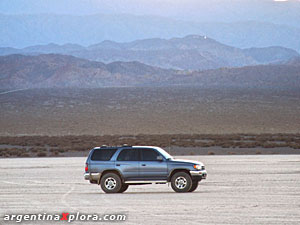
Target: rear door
{"x": 128, "y": 163}
{"x": 150, "y": 167}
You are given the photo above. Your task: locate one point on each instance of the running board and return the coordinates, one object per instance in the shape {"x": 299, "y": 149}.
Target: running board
{"x": 147, "y": 182}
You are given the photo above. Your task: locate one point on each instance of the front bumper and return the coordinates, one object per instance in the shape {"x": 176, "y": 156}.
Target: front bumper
{"x": 198, "y": 174}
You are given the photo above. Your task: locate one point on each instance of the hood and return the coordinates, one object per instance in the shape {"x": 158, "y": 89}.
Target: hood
{"x": 187, "y": 161}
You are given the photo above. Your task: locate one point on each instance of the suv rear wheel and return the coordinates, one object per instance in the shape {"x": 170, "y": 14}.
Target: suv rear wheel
{"x": 111, "y": 183}
{"x": 181, "y": 182}
{"x": 123, "y": 188}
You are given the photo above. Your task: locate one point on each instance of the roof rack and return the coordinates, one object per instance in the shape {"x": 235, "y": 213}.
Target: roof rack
{"x": 124, "y": 145}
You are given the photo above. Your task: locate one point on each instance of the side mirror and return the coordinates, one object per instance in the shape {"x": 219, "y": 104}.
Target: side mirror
{"x": 159, "y": 158}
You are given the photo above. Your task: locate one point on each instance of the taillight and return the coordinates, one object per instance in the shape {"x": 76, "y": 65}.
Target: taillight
{"x": 86, "y": 167}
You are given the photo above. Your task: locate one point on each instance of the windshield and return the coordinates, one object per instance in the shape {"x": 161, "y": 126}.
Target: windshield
{"x": 164, "y": 153}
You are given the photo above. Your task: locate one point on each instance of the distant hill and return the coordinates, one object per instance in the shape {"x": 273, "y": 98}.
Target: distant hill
{"x": 261, "y": 76}
{"x": 294, "y": 61}
{"x": 192, "y": 52}
{"x": 273, "y": 54}
{"x": 52, "y": 70}
{"x": 25, "y": 30}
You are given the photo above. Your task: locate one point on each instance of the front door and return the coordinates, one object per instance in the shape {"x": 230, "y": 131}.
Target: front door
{"x": 151, "y": 168}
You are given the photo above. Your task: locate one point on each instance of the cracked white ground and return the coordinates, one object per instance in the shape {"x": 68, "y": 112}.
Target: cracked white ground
{"x": 262, "y": 189}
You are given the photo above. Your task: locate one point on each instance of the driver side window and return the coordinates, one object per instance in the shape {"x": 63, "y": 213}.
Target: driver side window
{"x": 149, "y": 155}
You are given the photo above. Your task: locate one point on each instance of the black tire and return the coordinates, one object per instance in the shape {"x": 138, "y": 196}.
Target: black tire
{"x": 181, "y": 182}
{"x": 111, "y": 183}
{"x": 123, "y": 188}
{"x": 194, "y": 186}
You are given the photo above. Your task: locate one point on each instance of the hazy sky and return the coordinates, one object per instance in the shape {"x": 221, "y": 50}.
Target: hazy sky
{"x": 129, "y": 6}
{"x": 281, "y": 12}
{"x": 266, "y": 15}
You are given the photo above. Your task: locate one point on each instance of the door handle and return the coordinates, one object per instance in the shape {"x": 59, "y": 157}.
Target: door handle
{"x": 143, "y": 164}
{"x": 117, "y": 164}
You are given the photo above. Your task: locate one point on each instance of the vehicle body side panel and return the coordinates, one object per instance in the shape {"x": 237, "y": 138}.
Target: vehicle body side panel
{"x": 153, "y": 170}
{"x": 129, "y": 169}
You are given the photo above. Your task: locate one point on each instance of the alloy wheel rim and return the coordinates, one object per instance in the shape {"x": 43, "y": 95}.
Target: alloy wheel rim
{"x": 110, "y": 183}
{"x": 180, "y": 182}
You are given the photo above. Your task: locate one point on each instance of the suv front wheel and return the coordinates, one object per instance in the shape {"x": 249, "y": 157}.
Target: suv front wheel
{"x": 181, "y": 182}
{"x": 111, "y": 183}
{"x": 194, "y": 186}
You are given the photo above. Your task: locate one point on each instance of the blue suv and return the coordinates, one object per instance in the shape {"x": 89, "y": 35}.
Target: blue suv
{"x": 115, "y": 168}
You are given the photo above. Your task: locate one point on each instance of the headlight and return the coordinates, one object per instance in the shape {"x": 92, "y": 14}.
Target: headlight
{"x": 197, "y": 167}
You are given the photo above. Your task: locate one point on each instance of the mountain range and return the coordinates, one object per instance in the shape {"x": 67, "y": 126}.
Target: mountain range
{"x": 192, "y": 52}
{"x": 21, "y": 30}
{"x": 52, "y": 70}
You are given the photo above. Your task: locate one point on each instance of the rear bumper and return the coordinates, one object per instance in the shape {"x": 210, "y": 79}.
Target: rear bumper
{"x": 198, "y": 174}
{"x": 92, "y": 176}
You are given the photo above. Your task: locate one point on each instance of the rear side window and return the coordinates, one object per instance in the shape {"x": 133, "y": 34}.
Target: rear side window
{"x": 103, "y": 154}
{"x": 128, "y": 155}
